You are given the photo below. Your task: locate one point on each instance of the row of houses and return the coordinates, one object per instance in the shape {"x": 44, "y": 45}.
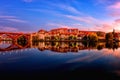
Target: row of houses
{"x": 65, "y": 34}
{"x": 116, "y": 35}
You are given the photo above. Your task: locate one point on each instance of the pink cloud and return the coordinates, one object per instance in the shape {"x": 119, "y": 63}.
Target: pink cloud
{"x": 69, "y": 8}
{"x": 115, "y": 14}
{"x": 8, "y": 29}
{"x": 115, "y": 9}
{"x": 75, "y": 25}
{"x": 117, "y": 20}
{"x": 81, "y": 19}
{"x": 65, "y": 27}
{"x": 12, "y": 29}
{"x": 17, "y": 20}
{"x": 12, "y": 18}
{"x": 115, "y": 6}
{"x": 105, "y": 2}
{"x": 106, "y": 27}
{"x": 59, "y": 25}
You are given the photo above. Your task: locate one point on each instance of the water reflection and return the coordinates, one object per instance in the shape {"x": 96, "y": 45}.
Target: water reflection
{"x": 75, "y": 46}
{"x": 63, "y": 47}
{"x": 42, "y": 56}
{"x": 111, "y": 45}
{"x": 5, "y": 44}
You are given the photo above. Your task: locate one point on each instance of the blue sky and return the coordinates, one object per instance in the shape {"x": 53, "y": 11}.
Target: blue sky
{"x": 32, "y": 15}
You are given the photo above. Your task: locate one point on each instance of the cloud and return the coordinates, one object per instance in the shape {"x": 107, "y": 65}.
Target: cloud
{"x": 17, "y": 20}
{"x": 117, "y": 24}
{"x": 104, "y": 2}
{"x": 28, "y": 1}
{"x": 115, "y": 6}
{"x": 81, "y": 17}
{"x": 52, "y": 12}
{"x": 72, "y": 14}
{"x": 115, "y": 13}
{"x": 117, "y": 20}
{"x": 87, "y": 19}
{"x": 51, "y": 6}
{"x": 78, "y": 18}
{"x": 58, "y": 25}
{"x": 53, "y": 25}
{"x": 101, "y": 1}
{"x": 12, "y": 18}
{"x": 106, "y": 27}
{"x": 69, "y": 8}
{"x": 6, "y": 17}
{"x": 114, "y": 9}
{"x": 69, "y": 26}
{"x": 8, "y": 29}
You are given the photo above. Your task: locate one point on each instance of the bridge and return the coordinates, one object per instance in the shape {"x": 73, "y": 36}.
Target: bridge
{"x": 13, "y": 36}
{"x": 15, "y": 46}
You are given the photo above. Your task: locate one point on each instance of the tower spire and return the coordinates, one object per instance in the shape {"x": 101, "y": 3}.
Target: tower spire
{"x": 113, "y": 34}
{"x": 113, "y": 30}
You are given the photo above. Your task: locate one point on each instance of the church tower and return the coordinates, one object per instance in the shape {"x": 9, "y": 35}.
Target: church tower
{"x": 113, "y": 31}
{"x": 113, "y": 34}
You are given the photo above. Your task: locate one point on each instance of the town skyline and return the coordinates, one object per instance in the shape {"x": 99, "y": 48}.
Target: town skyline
{"x": 11, "y": 30}
{"x": 33, "y": 15}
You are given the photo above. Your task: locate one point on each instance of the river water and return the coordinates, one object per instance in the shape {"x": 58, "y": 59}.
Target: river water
{"x": 60, "y": 60}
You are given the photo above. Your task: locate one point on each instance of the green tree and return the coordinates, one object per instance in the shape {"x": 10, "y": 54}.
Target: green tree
{"x": 93, "y": 37}
{"x": 72, "y": 38}
{"x": 99, "y": 33}
{"x": 100, "y": 47}
{"x": 85, "y": 38}
{"x": 56, "y": 38}
{"x": 75, "y": 38}
{"x": 109, "y": 36}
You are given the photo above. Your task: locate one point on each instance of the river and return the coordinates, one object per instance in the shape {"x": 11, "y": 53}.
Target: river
{"x": 60, "y": 60}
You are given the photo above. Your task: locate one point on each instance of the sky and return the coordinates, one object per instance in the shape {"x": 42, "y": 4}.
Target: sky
{"x": 33, "y": 15}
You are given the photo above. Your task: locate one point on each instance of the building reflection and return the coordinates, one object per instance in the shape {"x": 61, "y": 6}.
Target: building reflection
{"x": 62, "y": 47}
{"x": 65, "y": 47}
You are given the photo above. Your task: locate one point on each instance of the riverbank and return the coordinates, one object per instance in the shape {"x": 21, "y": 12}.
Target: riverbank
{"x": 68, "y": 41}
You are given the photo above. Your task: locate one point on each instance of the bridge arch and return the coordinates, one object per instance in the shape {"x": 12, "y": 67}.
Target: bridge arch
{"x": 7, "y": 46}
{"x": 13, "y": 46}
{"x": 27, "y": 41}
{"x": 2, "y": 36}
{"x": 14, "y": 37}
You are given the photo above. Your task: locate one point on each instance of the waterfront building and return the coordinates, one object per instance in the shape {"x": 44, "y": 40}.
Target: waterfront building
{"x": 65, "y": 34}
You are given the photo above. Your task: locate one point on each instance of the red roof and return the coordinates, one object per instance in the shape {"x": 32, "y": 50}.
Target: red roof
{"x": 42, "y": 30}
